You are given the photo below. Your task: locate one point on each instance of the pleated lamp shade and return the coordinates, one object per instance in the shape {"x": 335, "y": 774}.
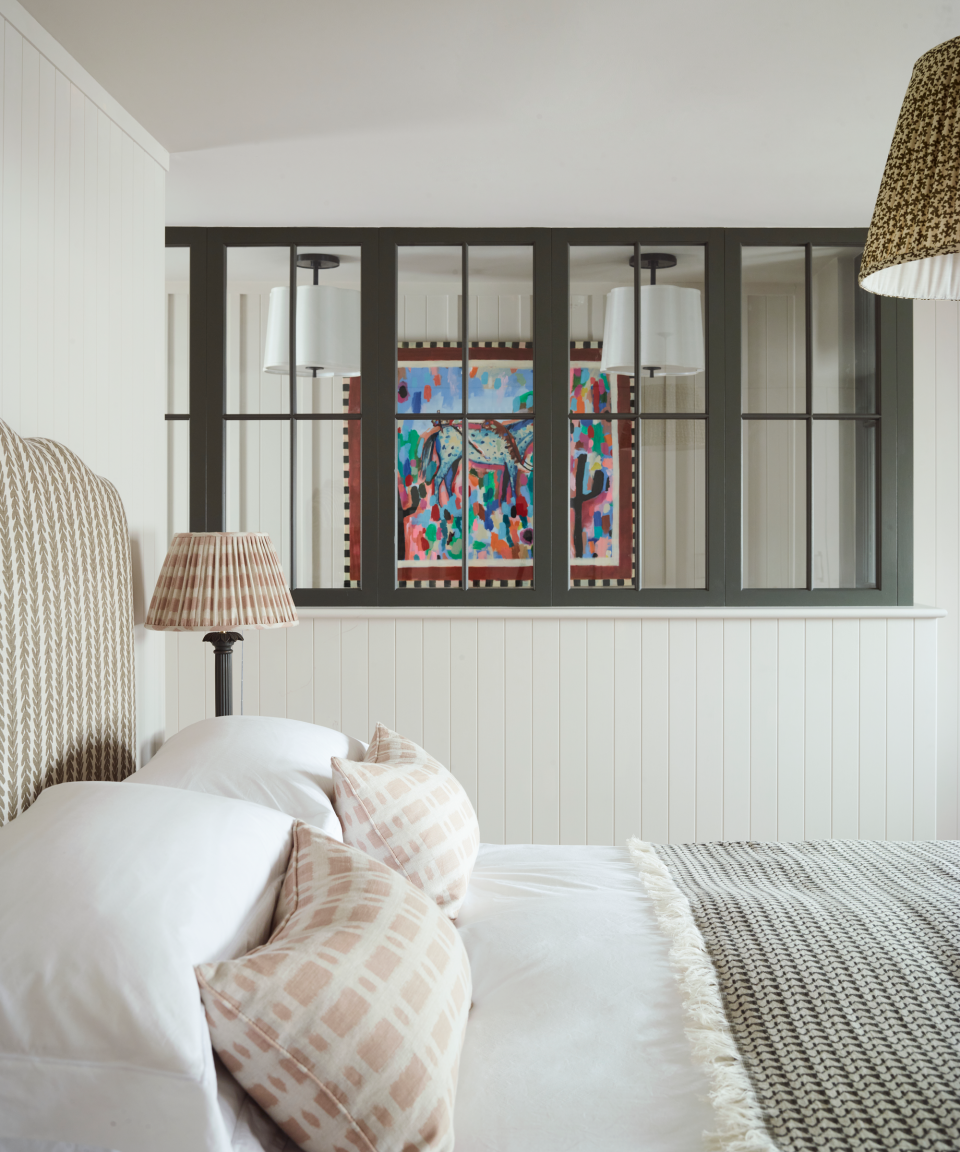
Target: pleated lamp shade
{"x": 218, "y": 581}
{"x": 913, "y": 247}
{"x": 328, "y": 331}
{"x": 671, "y": 331}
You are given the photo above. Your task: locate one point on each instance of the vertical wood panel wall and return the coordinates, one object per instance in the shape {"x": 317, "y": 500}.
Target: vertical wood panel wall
{"x": 936, "y": 531}
{"x": 578, "y": 731}
{"x": 81, "y": 297}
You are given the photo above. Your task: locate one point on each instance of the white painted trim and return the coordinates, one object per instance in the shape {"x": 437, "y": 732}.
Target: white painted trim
{"x": 914, "y": 612}
{"x": 60, "y": 58}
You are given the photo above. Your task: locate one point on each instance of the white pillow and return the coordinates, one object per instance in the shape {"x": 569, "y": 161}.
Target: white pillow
{"x": 109, "y": 896}
{"x": 282, "y": 764}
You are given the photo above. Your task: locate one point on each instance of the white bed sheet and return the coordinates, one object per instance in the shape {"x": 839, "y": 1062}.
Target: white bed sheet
{"x": 575, "y": 1041}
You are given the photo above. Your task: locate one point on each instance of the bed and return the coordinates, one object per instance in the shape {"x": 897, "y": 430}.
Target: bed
{"x": 655, "y": 998}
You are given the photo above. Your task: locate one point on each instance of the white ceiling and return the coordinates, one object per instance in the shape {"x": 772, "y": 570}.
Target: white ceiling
{"x": 499, "y": 112}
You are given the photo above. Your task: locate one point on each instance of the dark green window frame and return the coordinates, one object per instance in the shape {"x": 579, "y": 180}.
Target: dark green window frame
{"x": 551, "y": 247}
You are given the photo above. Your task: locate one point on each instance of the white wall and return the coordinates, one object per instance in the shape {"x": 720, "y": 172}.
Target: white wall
{"x": 690, "y": 726}
{"x": 81, "y": 296}
{"x": 936, "y": 534}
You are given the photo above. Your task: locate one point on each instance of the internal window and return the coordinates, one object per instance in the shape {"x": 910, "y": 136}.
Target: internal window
{"x": 637, "y": 450}
{"x": 465, "y": 417}
{"x": 579, "y": 418}
{"x": 811, "y": 419}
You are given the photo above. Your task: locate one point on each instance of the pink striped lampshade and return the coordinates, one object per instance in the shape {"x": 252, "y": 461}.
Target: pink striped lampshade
{"x": 216, "y": 581}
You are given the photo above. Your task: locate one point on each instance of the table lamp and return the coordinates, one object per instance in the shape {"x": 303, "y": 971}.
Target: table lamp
{"x": 216, "y": 582}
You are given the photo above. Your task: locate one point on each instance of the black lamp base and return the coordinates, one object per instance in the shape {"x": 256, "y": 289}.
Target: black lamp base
{"x": 223, "y": 643}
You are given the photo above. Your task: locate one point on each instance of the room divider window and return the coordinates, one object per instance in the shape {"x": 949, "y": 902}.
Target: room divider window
{"x": 177, "y": 318}
{"x": 292, "y": 452}
{"x": 466, "y": 418}
{"x": 820, "y": 483}
{"x": 637, "y": 466}
{"x": 529, "y": 417}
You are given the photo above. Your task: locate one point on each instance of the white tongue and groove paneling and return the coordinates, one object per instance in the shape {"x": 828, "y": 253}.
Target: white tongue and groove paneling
{"x": 936, "y": 536}
{"x": 81, "y": 299}
{"x": 573, "y": 730}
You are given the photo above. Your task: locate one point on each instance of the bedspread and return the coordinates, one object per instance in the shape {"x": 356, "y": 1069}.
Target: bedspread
{"x": 838, "y": 964}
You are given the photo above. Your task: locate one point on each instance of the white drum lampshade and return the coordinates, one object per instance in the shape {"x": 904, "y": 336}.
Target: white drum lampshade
{"x": 671, "y": 331}
{"x": 328, "y": 331}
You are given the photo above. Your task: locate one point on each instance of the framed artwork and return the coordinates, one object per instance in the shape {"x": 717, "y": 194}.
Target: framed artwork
{"x": 495, "y": 436}
{"x": 351, "y": 472}
{"x": 602, "y": 478}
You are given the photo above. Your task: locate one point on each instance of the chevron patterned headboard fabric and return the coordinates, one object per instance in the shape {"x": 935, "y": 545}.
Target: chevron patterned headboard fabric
{"x": 67, "y": 701}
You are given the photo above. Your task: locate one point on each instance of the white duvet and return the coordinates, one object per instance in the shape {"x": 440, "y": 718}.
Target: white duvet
{"x": 575, "y": 1041}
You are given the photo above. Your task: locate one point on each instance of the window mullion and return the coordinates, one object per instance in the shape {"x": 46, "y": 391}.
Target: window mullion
{"x": 808, "y": 426}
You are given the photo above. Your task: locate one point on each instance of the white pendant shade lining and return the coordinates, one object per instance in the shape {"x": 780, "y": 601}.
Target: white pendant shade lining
{"x": 328, "y": 331}
{"x": 933, "y": 278}
{"x": 671, "y": 331}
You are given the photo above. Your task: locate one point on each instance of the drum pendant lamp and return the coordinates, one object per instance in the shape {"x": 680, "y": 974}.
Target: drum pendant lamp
{"x": 328, "y": 325}
{"x": 913, "y": 246}
{"x": 671, "y": 326}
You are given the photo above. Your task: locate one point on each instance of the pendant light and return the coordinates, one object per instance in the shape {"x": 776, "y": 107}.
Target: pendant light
{"x": 671, "y": 326}
{"x": 328, "y": 325}
{"x": 913, "y": 246}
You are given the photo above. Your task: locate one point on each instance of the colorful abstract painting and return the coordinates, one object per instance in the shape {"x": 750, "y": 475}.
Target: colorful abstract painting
{"x": 589, "y": 389}
{"x": 499, "y": 465}
{"x": 593, "y": 491}
{"x": 496, "y": 387}
{"x": 499, "y": 499}
{"x": 601, "y": 476}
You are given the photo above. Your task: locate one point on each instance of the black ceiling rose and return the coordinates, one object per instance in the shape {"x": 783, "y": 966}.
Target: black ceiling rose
{"x": 654, "y": 261}
{"x": 321, "y": 261}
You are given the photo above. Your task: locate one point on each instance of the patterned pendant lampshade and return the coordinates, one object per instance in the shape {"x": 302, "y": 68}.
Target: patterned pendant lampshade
{"x": 218, "y": 581}
{"x": 913, "y": 247}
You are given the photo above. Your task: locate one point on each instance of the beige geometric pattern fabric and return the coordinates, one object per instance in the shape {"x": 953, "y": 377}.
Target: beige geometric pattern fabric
{"x": 67, "y": 702}
{"x": 406, "y": 810}
{"x": 221, "y": 580}
{"x": 346, "y": 1026}
{"x": 917, "y": 213}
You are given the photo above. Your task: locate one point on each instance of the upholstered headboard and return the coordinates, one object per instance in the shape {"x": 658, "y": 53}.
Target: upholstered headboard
{"x": 67, "y": 703}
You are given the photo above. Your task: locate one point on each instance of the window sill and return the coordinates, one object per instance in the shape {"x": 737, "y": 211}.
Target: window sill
{"x": 894, "y": 612}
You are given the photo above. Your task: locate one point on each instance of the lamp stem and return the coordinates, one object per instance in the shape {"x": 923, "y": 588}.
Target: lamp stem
{"x": 223, "y": 643}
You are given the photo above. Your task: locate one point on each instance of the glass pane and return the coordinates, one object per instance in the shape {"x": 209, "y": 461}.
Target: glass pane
{"x": 500, "y": 326}
{"x": 178, "y": 329}
{"x": 774, "y": 504}
{"x": 328, "y": 503}
{"x": 178, "y": 477}
{"x": 429, "y": 357}
{"x": 773, "y": 340}
{"x": 673, "y": 503}
{"x": 328, "y": 328}
{"x": 602, "y": 503}
{"x": 501, "y": 459}
{"x": 257, "y": 375}
{"x": 844, "y": 504}
{"x": 258, "y": 481}
{"x": 844, "y": 334}
{"x": 672, "y": 339}
{"x": 177, "y": 275}
{"x": 601, "y": 292}
{"x": 429, "y": 503}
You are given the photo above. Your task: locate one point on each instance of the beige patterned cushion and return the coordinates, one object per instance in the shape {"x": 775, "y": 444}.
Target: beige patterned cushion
{"x": 346, "y": 1026}
{"x": 403, "y": 808}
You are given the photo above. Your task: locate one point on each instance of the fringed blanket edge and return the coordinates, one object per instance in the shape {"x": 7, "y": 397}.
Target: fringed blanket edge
{"x": 740, "y": 1126}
